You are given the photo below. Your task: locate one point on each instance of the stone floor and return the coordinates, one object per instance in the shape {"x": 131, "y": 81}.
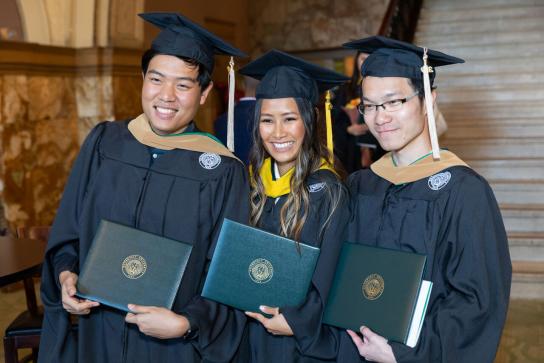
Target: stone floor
{"x": 522, "y": 341}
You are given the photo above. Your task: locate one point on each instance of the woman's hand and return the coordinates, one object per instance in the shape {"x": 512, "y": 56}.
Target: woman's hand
{"x": 373, "y": 347}
{"x": 158, "y": 322}
{"x": 70, "y": 302}
{"x": 276, "y": 325}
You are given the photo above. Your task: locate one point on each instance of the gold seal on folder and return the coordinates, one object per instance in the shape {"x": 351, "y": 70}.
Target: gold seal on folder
{"x": 134, "y": 266}
{"x": 261, "y": 271}
{"x": 373, "y": 286}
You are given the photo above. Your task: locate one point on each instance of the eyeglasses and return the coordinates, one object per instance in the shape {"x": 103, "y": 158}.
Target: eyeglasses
{"x": 389, "y": 106}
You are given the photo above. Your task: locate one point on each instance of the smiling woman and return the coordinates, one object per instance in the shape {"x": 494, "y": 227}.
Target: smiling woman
{"x": 282, "y": 130}
{"x": 296, "y": 193}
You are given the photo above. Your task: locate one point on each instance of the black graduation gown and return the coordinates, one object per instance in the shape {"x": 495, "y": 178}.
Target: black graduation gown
{"x": 312, "y": 341}
{"x": 460, "y": 229}
{"x": 114, "y": 178}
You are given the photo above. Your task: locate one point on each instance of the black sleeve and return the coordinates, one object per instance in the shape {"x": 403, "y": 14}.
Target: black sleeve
{"x": 465, "y": 324}
{"x": 58, "y": 342}
{"x": 217, "y": 329}
{"x": 62, "y": 248}
{"x": 313, "y": 338}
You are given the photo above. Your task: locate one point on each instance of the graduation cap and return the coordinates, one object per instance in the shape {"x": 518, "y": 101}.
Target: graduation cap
{"x": 180, "y": 36}
{"x": 394, "y": 58}
{"x": 283, "y": 75}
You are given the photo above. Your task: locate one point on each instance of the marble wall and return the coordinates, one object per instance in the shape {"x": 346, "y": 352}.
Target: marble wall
{"x": 295, "y": 25}
{"x": 39, "y": 144}
{"x": 46, "y": 111}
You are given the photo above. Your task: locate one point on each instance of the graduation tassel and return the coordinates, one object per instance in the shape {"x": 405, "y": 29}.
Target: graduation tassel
{"x": 429, "y": 104}
{"x": 230, "y": 109}
{"x": 328, "y": 121}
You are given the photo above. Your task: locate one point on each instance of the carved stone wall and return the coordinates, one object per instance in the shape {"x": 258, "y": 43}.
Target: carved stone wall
{"x": 294, "y": 25}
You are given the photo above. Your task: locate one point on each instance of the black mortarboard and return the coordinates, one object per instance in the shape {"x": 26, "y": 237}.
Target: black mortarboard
{"x": 182, "y": 37}
{"x": 283, "y": 75}
{"x": 394, "y": 58}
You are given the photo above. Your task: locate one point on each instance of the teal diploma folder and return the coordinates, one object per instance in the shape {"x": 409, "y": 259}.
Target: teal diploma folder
{"x": 379, "y": 288}
{"x": 251, "y": 267}
{"x": 125, "y": 265}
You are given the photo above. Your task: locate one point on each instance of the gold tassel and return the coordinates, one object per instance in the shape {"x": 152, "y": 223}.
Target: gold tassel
{"x": 429, "y": 104}
{"x": 230, "y": 109}
{"x": 328, "y": 121}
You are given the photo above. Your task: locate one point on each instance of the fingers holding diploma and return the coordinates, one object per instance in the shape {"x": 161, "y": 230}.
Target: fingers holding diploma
{"x": 70, "y": 302}
{"x": 276, "y": 325}
{"x": 157, "y": 322}
{"x": 372, "y": 347}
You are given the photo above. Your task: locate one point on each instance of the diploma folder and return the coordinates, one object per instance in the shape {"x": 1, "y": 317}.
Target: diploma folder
{"x": 251, "y": 267}
{"x": 125, "y": 265}
{"x": 381, "y": 289}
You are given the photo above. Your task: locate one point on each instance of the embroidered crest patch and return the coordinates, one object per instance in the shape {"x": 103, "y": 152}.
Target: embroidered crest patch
{"x": 314, "y": 188}
{"x": 439, "y": 181}
{"x": 209, "y": 160}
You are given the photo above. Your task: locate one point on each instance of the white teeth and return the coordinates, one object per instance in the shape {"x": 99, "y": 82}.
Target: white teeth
{"x": 283, "y": 145}
{"x": 165, "y": 111}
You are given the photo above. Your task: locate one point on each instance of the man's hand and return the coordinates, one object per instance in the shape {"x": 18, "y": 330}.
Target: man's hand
{"x": 373, "y": 347}
{"x": 70, "y": 303}
{"x": 357, "y": 129}
{"x": 158, "y": 322}
{"x": 352, "y": 113}
{"x": 276, "y": 325}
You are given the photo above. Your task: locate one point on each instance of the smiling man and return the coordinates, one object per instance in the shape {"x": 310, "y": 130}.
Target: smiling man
{"x": 434, "y": 204}
{"x": 159, "y": 174}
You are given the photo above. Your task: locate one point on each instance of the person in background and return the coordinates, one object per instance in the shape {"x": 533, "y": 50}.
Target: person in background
{"x": 366, "y": 149}
{"x": 243, "y": 122}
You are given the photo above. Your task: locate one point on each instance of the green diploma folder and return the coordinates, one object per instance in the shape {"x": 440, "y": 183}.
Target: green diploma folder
{"x": 126, "y": 265}
{"x": 381, "y": 289}
{"x": 251, "y": 267}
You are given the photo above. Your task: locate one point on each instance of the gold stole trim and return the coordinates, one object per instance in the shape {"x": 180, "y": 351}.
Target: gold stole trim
{"x": 426, "y": 167}
{"x": 277, "y": 188}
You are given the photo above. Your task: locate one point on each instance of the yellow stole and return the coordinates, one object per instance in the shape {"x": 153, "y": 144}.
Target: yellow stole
{"x": 281, "y": 186}
{"x": 193, "y": 141}
{"x": 422, "y": 168}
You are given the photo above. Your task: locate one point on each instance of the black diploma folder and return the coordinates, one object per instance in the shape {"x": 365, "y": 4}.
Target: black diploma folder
{"x": 251, "y": 267}
{"x": 125, "y": 265}
{"x": 379, "y": 288}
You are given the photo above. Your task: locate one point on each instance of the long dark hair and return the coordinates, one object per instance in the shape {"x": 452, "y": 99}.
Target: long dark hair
{"x": 294, "y": 212}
